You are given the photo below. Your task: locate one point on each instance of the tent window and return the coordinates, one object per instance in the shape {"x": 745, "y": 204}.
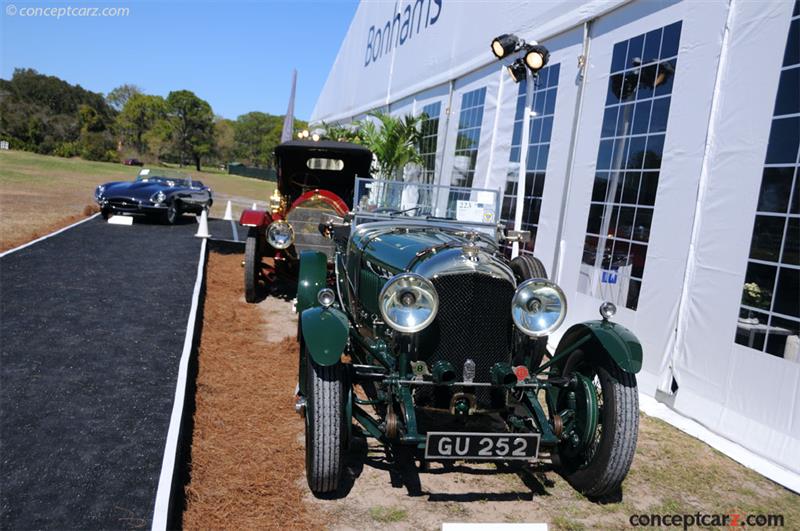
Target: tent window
{"x": 769, "y": 313}
{"x": 468, "y": 137}
{"x": 628, "y": 164}
{"x": 429, "y": 129}
{"x": 538, "y": 145}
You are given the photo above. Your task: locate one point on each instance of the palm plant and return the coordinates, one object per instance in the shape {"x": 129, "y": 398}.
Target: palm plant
{"x": 394, "y": 141}
{"x": 341, "y": 133}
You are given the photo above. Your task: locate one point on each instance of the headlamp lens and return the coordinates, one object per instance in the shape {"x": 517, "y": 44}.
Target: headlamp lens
{"x": 280, "y": 234}
{"x": 538, "y": 307}
{"x": 408, "y": 302}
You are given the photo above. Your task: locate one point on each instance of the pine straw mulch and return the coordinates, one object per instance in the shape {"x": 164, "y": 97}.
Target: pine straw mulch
{"x": 247, "y": 457}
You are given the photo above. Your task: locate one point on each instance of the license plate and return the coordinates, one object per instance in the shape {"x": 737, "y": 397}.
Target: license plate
{"x": 482, "y": 446}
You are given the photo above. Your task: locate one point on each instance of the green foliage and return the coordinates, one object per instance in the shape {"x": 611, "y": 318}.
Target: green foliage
{"x": 90, "y": 120}
{"x": 120, "y": 96}
{"x": 395, "y": 143}
{"x": 256, "y": 134}
{"x": 224, "y": 139}
{"x": 139, "y": 114}
{"x": 53, "y": 93}
{"x": 44, "y": 114}
{"x": 192, "y": 125}
{"x": 341, "y": 133}
{"x": 96, "y": 146}
{"x": 158, "y": 139}
{"x": 50, "y": 116}
{"x": 67, "y": 150}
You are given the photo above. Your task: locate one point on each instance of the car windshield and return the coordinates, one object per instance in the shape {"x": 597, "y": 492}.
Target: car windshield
{"x": 471, "y": 208}
{"x": 165, "y": 176}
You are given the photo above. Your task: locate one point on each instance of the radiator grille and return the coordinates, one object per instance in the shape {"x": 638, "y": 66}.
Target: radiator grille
{"x": 305, "y": 221}
{"x": 474, "y": 321}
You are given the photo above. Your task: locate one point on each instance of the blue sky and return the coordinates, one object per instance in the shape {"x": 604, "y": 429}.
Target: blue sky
{"x": 236, "y": 55}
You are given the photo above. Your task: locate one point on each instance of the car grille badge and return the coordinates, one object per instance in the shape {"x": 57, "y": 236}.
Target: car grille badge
{"x": 419, "y": 369}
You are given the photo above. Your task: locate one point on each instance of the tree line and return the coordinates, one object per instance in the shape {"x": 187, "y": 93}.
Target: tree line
{"x": 47, "y": 115}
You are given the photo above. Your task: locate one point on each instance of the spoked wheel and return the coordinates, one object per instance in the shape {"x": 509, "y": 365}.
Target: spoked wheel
{"x": 601, "y": 419}
{"x": 325, "y": 426}
{"x": 173, "y": 212}
{"x": 252, "y": 265}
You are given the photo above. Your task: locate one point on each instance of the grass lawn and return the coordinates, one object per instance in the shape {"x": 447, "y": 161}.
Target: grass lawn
{"x": 39, "y": 193}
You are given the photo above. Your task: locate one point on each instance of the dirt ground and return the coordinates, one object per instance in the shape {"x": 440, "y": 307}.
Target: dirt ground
{"x": 247, "y": 456}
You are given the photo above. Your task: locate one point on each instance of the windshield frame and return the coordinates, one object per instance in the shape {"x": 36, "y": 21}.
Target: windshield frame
{"x": 440, "y": 199}
{"x": 165, "y": 176}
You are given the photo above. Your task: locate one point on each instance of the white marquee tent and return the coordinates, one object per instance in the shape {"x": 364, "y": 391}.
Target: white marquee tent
{"x": 662, "y": 174}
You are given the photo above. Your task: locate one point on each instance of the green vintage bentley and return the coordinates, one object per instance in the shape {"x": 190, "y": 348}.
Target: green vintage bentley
{"x": 426, "y": 337}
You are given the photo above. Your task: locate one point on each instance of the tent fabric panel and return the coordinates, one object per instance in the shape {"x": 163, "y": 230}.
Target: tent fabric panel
{"x": 753, "y": 392}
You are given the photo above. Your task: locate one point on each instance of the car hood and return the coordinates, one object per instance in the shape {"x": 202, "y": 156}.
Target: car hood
{"x": 429, "y": 250}
{"x": 137, "y": 189}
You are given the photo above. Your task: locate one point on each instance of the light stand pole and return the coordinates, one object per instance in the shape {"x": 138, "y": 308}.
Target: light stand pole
{"x": 523, "y": 158}
{"x": 534, "y": 58}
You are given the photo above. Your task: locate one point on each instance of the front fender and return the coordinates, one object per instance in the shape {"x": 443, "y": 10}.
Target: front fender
{"x": 619, "y": 343}
{"x": 255, "y": 218}
{"x": 311, "y": 278}
{"x": 325, "y": 332}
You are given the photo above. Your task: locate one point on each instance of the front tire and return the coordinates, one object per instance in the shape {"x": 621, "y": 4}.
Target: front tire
{"x": 599, "y": 469}
{"x": 325, "y": 427}
{"x": 173, "y": 212}
{"x": 252, "y": 265}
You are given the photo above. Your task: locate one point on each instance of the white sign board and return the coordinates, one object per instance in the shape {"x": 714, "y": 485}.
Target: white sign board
{"x": 475, "y": 212}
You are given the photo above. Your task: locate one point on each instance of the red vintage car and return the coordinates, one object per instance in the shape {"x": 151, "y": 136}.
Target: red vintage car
{"x": 315, "y": 184}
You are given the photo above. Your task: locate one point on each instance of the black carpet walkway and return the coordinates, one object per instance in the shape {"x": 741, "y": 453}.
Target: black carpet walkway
{"x": 92, "y": 326}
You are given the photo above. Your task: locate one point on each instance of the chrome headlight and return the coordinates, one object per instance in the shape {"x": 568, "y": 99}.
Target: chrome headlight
{"x": 98, "y": 192}
{"x": 408, "y": 302}
{"x": 280, "y": 234}
{"x": 158, "y": 197}
{"x": 538, "y": 307}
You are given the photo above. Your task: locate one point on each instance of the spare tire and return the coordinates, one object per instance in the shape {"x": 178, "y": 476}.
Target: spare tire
{"x": 526, "y": 267}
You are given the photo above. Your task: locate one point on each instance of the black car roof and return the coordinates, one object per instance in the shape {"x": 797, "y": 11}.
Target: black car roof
{"x": 294, "y": 146}
{"x": 295, "y": 177}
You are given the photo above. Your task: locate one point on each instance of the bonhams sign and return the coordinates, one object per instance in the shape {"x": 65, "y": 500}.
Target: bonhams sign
{"x": 401, "y": 28}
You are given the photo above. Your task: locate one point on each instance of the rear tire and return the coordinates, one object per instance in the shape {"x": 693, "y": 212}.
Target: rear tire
{"x": 252, "y": 265}
{"x": 600, "y": 470}
{"x": 325, "y": 427}
{"x": 526, "y": 266}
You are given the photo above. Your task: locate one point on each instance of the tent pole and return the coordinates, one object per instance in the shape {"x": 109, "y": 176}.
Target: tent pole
{"x": 573, "y": 140}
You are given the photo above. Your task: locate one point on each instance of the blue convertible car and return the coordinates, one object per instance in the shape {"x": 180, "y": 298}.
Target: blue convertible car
{"x": 156, "y": 192}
